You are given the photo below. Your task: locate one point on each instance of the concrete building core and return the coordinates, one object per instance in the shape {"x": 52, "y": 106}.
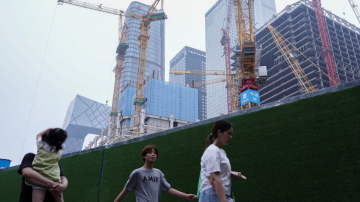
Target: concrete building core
{"x": 84, "y": 116}
{"x": 298, "y": 24}
{"x": 191, "y": 59}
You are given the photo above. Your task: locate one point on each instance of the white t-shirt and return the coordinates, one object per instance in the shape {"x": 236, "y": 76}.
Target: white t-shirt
{"x": 47, "y": 147}
{"x": 215, "y": 160}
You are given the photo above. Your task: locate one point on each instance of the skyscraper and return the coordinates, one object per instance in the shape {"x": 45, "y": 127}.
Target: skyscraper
{"x": 264, "y": 11}
{"x": 155, "y": 54}
{"x": 84, "y": 116}
{"x": 215, "y": 58}
{"x": 191, "y": 59}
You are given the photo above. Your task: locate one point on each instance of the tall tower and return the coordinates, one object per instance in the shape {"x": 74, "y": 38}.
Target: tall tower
{"x": 191, "y": 59}
{"x": 264, "y": 10}
{"x": 155, "y": 54}
{"x": 215, "y": 58}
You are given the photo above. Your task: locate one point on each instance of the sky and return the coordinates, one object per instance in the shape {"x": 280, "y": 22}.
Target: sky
{"x": 50, "y": 53}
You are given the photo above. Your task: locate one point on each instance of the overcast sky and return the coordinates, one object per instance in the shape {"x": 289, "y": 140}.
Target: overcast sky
{"x": 79, "y": 58}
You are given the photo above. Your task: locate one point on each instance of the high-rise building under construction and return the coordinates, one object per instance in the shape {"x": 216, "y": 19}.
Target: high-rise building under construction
{"x": 298, "y": 24}
{"x": 191, "y": 59}
{"x": 155, "y": 54}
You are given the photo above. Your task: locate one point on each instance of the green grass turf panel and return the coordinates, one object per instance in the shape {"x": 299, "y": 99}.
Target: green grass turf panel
{"x": 83, "y": 173}
{"x": 10, "y": 185}
{"x": 306, "y": 150}
{"x": 178, "y": 159}
{"x": 303, "y": 151}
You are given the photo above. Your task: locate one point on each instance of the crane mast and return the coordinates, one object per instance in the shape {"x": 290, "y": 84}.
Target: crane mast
{"x": 355, "y": 9}
{"x": 245, "y": 34}
{"x": 120, "y": 58}
{"x": 329, "y": 59}
{"x": 225, "y": 41}
{"x": 143, "y": 42}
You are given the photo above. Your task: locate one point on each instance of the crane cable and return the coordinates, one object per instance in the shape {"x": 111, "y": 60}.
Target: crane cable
{"x": 37, "y": 84}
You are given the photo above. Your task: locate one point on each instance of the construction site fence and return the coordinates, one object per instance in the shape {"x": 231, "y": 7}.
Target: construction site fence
{"x": 302, "y": 148}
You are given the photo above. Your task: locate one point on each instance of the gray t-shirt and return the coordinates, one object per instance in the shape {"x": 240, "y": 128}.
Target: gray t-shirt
{"x": 148, "y": 184}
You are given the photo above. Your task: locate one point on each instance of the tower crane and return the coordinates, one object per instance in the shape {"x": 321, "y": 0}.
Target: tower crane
{"x": 245, "y": 38}
{"x": 329, "y": 58}
{"x": 355, "y": 9}
{"x": 233, "y": 73}
{"x": 143, "y": 42}
{"x": 225, "y": 41}
{"x": 121, "y": 50}
{"x": 205, "y": 72}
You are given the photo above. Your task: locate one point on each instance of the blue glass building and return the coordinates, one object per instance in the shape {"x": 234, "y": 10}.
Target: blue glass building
{"x": 163, "y": 99}
{"x": 191, "y": 59}
{"x": 155, "y": 54}
{"x": 126, "y": 101}
{"x": 84, "y": 116}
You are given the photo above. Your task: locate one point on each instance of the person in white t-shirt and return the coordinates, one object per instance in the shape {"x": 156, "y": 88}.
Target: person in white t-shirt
{"x": 215, "y": 166}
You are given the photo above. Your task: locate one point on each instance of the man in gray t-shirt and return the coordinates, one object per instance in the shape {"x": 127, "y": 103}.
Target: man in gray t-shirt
{"x": 148, "y": 182}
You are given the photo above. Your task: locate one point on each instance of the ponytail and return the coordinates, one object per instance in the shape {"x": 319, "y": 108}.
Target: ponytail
{"x": 222, "y": 125}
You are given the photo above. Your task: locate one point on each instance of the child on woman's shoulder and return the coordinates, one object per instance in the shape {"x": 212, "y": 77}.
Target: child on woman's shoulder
{"x": 50, "y": 144}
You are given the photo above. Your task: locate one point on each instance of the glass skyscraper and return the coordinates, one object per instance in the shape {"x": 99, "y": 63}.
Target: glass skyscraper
{"x": 215, "y": 58}
{"x": 155, "y": 53}
{"x": 264, "y": 11}
{"x": 191, "y": 59}
{"x": 84, "y": 116}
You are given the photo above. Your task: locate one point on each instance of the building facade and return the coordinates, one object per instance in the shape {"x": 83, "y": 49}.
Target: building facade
{"x": 298, "y": 24}
{"x": 84, "y": 116}
{"x": 163, "y": 99}
{"x": 155, "y": 53}
{"x": 215, "y": 58}
{"x": 264, "y": 10}
{"x": 191, "y": 59}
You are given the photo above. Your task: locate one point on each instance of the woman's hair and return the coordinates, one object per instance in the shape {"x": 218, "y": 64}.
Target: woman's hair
{"x": 222, "y": 125}
{"x": 55, "y": 137}
{"x": 148, "y": 149}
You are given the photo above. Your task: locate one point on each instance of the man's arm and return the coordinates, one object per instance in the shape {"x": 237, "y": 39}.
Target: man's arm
{"x": 36, "y": 178}
{"x": 58, "y": 190}
{"x": 218, "y": 186}
{"x": 174, "y": 192}
{"x": 122, "y": 195}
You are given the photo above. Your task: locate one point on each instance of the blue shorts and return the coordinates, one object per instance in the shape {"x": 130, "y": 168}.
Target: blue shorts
{"x": 209, "y": 195}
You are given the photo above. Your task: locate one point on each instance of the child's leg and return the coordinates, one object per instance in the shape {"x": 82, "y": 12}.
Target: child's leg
{"x": 58, "y": 197}
{"x": 38, "y": 195}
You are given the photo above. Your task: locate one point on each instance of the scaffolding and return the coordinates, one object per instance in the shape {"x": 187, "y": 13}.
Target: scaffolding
{"x": 298, "y": 24}
{"x": 149, "y": 124}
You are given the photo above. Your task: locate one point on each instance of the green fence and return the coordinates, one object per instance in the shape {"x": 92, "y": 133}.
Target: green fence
{"x": 307, "y": 150}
